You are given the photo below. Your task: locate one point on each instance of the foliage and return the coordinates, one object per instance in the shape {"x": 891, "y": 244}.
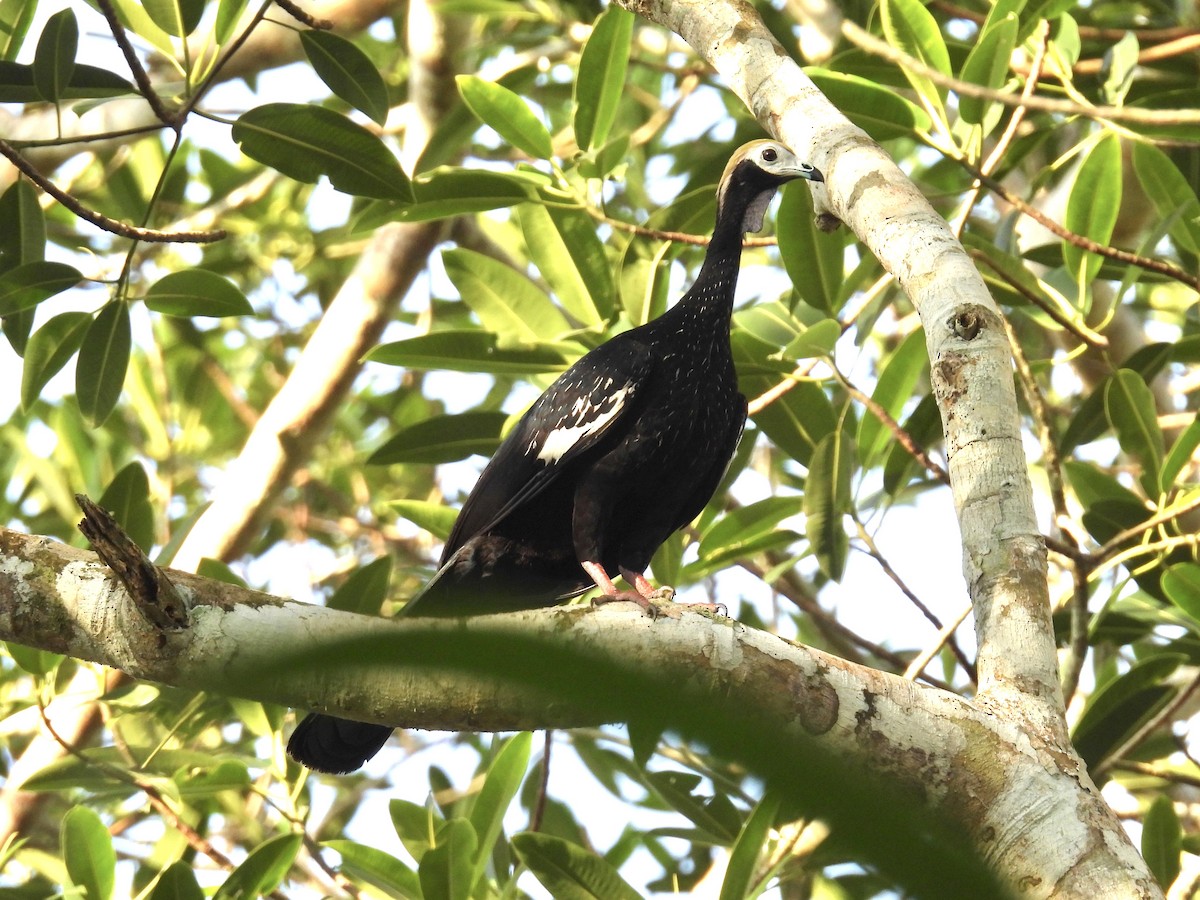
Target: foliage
{"x": 572, "y": 143}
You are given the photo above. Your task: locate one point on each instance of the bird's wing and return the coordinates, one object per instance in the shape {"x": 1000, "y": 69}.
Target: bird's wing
{"x": 583, "y": 405}
{"x": 707, "y": 485}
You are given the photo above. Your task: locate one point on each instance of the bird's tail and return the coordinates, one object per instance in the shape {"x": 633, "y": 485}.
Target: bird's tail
{"x": 329, "y": 744}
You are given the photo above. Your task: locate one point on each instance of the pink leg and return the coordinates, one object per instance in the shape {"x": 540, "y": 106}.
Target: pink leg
{"x": 644, "y": 594}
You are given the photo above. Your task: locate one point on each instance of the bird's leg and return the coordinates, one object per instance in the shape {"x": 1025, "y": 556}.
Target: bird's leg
{"x": 609, "y": 592}
{"x": 647, "y": 590}
{"x": 644, "y": 594}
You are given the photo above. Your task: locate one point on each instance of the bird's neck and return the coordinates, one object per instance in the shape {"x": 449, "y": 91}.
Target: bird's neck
{"x": 715, "y": 284}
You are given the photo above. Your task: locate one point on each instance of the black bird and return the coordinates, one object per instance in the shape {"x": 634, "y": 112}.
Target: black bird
{"x": 622, "y": 450}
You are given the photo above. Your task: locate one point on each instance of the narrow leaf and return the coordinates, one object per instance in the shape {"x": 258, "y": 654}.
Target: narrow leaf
{"x": 565, "y": 248}
{"x": 451, "y": 192}
{"x": 570, "y": 872}
{"x": 895, "y": 386}
{"x": 197, "y": 292}
{"x": 507, "y": 113}
{"x": 15, "y": 18}
{"x": 49, "y": 349}
{"x": 875, "y": 108}
{"x": 1181, "y": 584}
{"x": 103, "y": 359}
{"x": 28, "y": 284}
{"x": 506, "y": 301}
{"x": 504, "y": 776}
{"x": 1093, "y": 205}
{"x": 1129, "y": 404}
{"x": 1162, "y": 840}
{"x": 366, "y": 589}
{"x": 306, "y": 142}
{"x": 442, "y": 439}
{"x": 54, "y": 60}
{"x": 348, "y": 72}
{"x": 469, "y": 351}
{"x": 263, "y": 870}
{"x": 911, "y": 28}
{"x": 447, "y": 871}
{"x": 827, "y": 499}
{"x": 177, "y": 882}
{"x": 814, "y": 260}
{"x": 88, "y": 853}
{"x": 600, "y": 82}
{"x": 374, "y": 867}
{"x": 1181, "y": 454}
{"x": 1172, "y": 194}
{"x": 743, "y": 859}
{"x": 987, "y": 66}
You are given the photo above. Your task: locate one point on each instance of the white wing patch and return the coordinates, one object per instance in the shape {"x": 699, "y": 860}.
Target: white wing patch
{"x": 561, "y": 439}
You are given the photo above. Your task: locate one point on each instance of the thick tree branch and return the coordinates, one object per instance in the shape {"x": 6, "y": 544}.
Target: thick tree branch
{"x": 973, "y": 768}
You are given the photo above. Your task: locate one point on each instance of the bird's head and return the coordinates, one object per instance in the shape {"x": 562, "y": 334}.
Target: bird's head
{"x": 754, "y": 173}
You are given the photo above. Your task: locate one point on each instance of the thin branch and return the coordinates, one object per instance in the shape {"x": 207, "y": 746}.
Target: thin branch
{"x": 1084, "y": 243}
{"x": 1114, "y": 545}
{"x": 302, "y": 17}
{"x": 866, "y": 41}
{"x": 103, "y": 222}
{"x": 1093, "y": 339}
{"x": 174, "y": 121}
{"x": 916, "y": 668}
{"x": 678, "y": 237}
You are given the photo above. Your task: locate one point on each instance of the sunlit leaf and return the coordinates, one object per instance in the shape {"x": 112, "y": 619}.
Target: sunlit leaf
{"x": 600, "y": 82}
{"x": 1129, "y": 404}
{"x": 987, "y": 65}
{"x": 748, "y": 848}
{"x": 469, "y": 351}
{"x": 1181, "y": 584}
{"x": 447, "y": 870}
{"x": 263, "y": 870}
{"x": 177, "y": 882}
{"x": 504, "y": 775}
{"x": 451, "y": 192}
{"x": 436, "y": 518}
{"x": 368, "y": 865}
{"x": 564, "y": 246}
{"x": 506, "y": 301}
{"x": 197, "y": 292}
{"x": 876, "y": 109}
{"x": 1093, "y": 205}
{"x": 507, "y": 113}
{"x": 88, "y": 853}
{"x": 177, "y": 18}
{"x": 893, "y": 389}
{"x": 911, "y": 28}
{"x": 1172, "y": 194}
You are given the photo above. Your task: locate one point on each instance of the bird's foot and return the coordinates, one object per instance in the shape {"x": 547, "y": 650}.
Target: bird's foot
{"x": 646, "y": 603}
{"x": 659, "y": 602}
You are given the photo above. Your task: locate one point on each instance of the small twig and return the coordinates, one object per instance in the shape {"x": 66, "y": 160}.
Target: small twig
{"x": 1091, "y": 338}
{"x": 775, "y": 391}
{"x": 1114, "y": 545}
{"x": 174, "y": 121}
{"x": 876, "y": 47}
{"x": 1188, "y": 43}
{"x": 916, "y": 668}
{"x": 302, "y": 17}
{"x": 678, "y": 237}
{"x": 1084, "y": 243}
{"x": 113, "y": 226}
{"x": 156, "y": 597}
{"x": 903, "y": 437}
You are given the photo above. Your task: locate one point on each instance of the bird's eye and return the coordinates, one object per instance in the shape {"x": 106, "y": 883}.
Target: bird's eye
{"x": 769, "y": 155}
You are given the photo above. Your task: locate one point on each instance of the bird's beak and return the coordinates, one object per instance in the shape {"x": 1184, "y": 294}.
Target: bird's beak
{"x": 806, "y": 171}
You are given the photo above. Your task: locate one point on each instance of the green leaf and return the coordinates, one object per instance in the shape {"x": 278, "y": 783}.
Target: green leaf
{"x": 1090, "y": 420}
{"x": 54, "y": 61}
{"x": 568, "y": 871}
{"x": 1181, "y": 584}
{"x": 103, "y": 359}
{"x": 28, "y": 284}
{"x": 1093, "y": 205}
{"x": 1180, "y": 454}
{"x": 712, "y": 815}
{"x": 177, "y": 18}
{"x": 127, "y": 497}
{"x": 912, "y": 29}
{"x": 447, "y": 871}
{"x": 348, "y": 72}
{"x": 797, "y": 421}
{"x": 600, "y": 78}
{"x": 366, "y": 589}
{"x": 88, "y": 853}
{"x": 374, "y": 867}
{"x": 263, "y": 870}
{"x": 507, "y": 113}
{"x": 505, "y": 773}
{"x": 1172, "y": 194}
{"x": 49, "y": 349}
{"x": 22, "y": 226}
{"x": 15, "y": 18}
{"x": 1162, "y": 840}
{"x": 875, "y": 108}
{"x": 748, "y": 848}
{"x": 814, "y": 259}
{"x": 1117, "y": 708}
{"x": 1120, "y": 60}
{"x": 306, "y": 142}
{"x": 177, "y": 882}
{"x": 442, "y": 439}
{"x": 565, "y": 248}
{"x": 1129, "y": 405}
{"x": 894, "y": 388}
{"x": 987, "y": 65}
{"x": 452, "y": 192}
{"x": 32, "y": 660}
{"x": 469, "y": 351}
{"x": 741, "y": 531}
{"x": 197, "y": 292}
{"x": 229, "y": 13}
{"x": 827, "y": 499}
{"x": 436, "y": 518}
{"x": 86, "y": 82}
{"x": 506, "y": 301}
{"x": 416, "y": 825}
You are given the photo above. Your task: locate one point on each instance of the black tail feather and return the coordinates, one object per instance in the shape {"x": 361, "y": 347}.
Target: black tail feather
{"x": 329, "y": 744}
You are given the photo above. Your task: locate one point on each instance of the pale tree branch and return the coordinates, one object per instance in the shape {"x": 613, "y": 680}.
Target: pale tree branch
{"x": 1004, "y": 556}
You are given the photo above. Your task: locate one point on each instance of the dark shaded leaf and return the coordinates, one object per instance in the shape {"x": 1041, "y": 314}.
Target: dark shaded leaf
{"x": 1118, "y": 707}
{"x": 177, "y": 18}
{"x": 469, "y": 351}
{"x": 366, "y": 589}
{"x": 987, "y": 65}
{"x": 263, "y": 870}
{"x": 306, "y": 142}
{"x": 103, "y": 360}
{"x": 814, "y": 259}
{"x": 54, "y": 60}
{"x": 748, "y": 848}
{"x": 348, "y": 72}
{"x": 1172, "y": 194}
{"x": 446, "y": 871}
{"x": 797, "y": 421}
{"x": 177, "y": 882}
{"x": 827, "y": 499}
{"x": 127, "y": 497}
{"x": 49, "y": 349}
{"x": 28, "y": 284}
{"x": 568, "y": 871}
{"x": 1181, "y": 584}
{"x": 892, "y": 391}
{"x": 442, "y": 439}
{"x": 86, "y": 82}
{"x": 505, "y": 773}
{"x": 1162, "y": 840}
{"x": 197, "y": 292}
